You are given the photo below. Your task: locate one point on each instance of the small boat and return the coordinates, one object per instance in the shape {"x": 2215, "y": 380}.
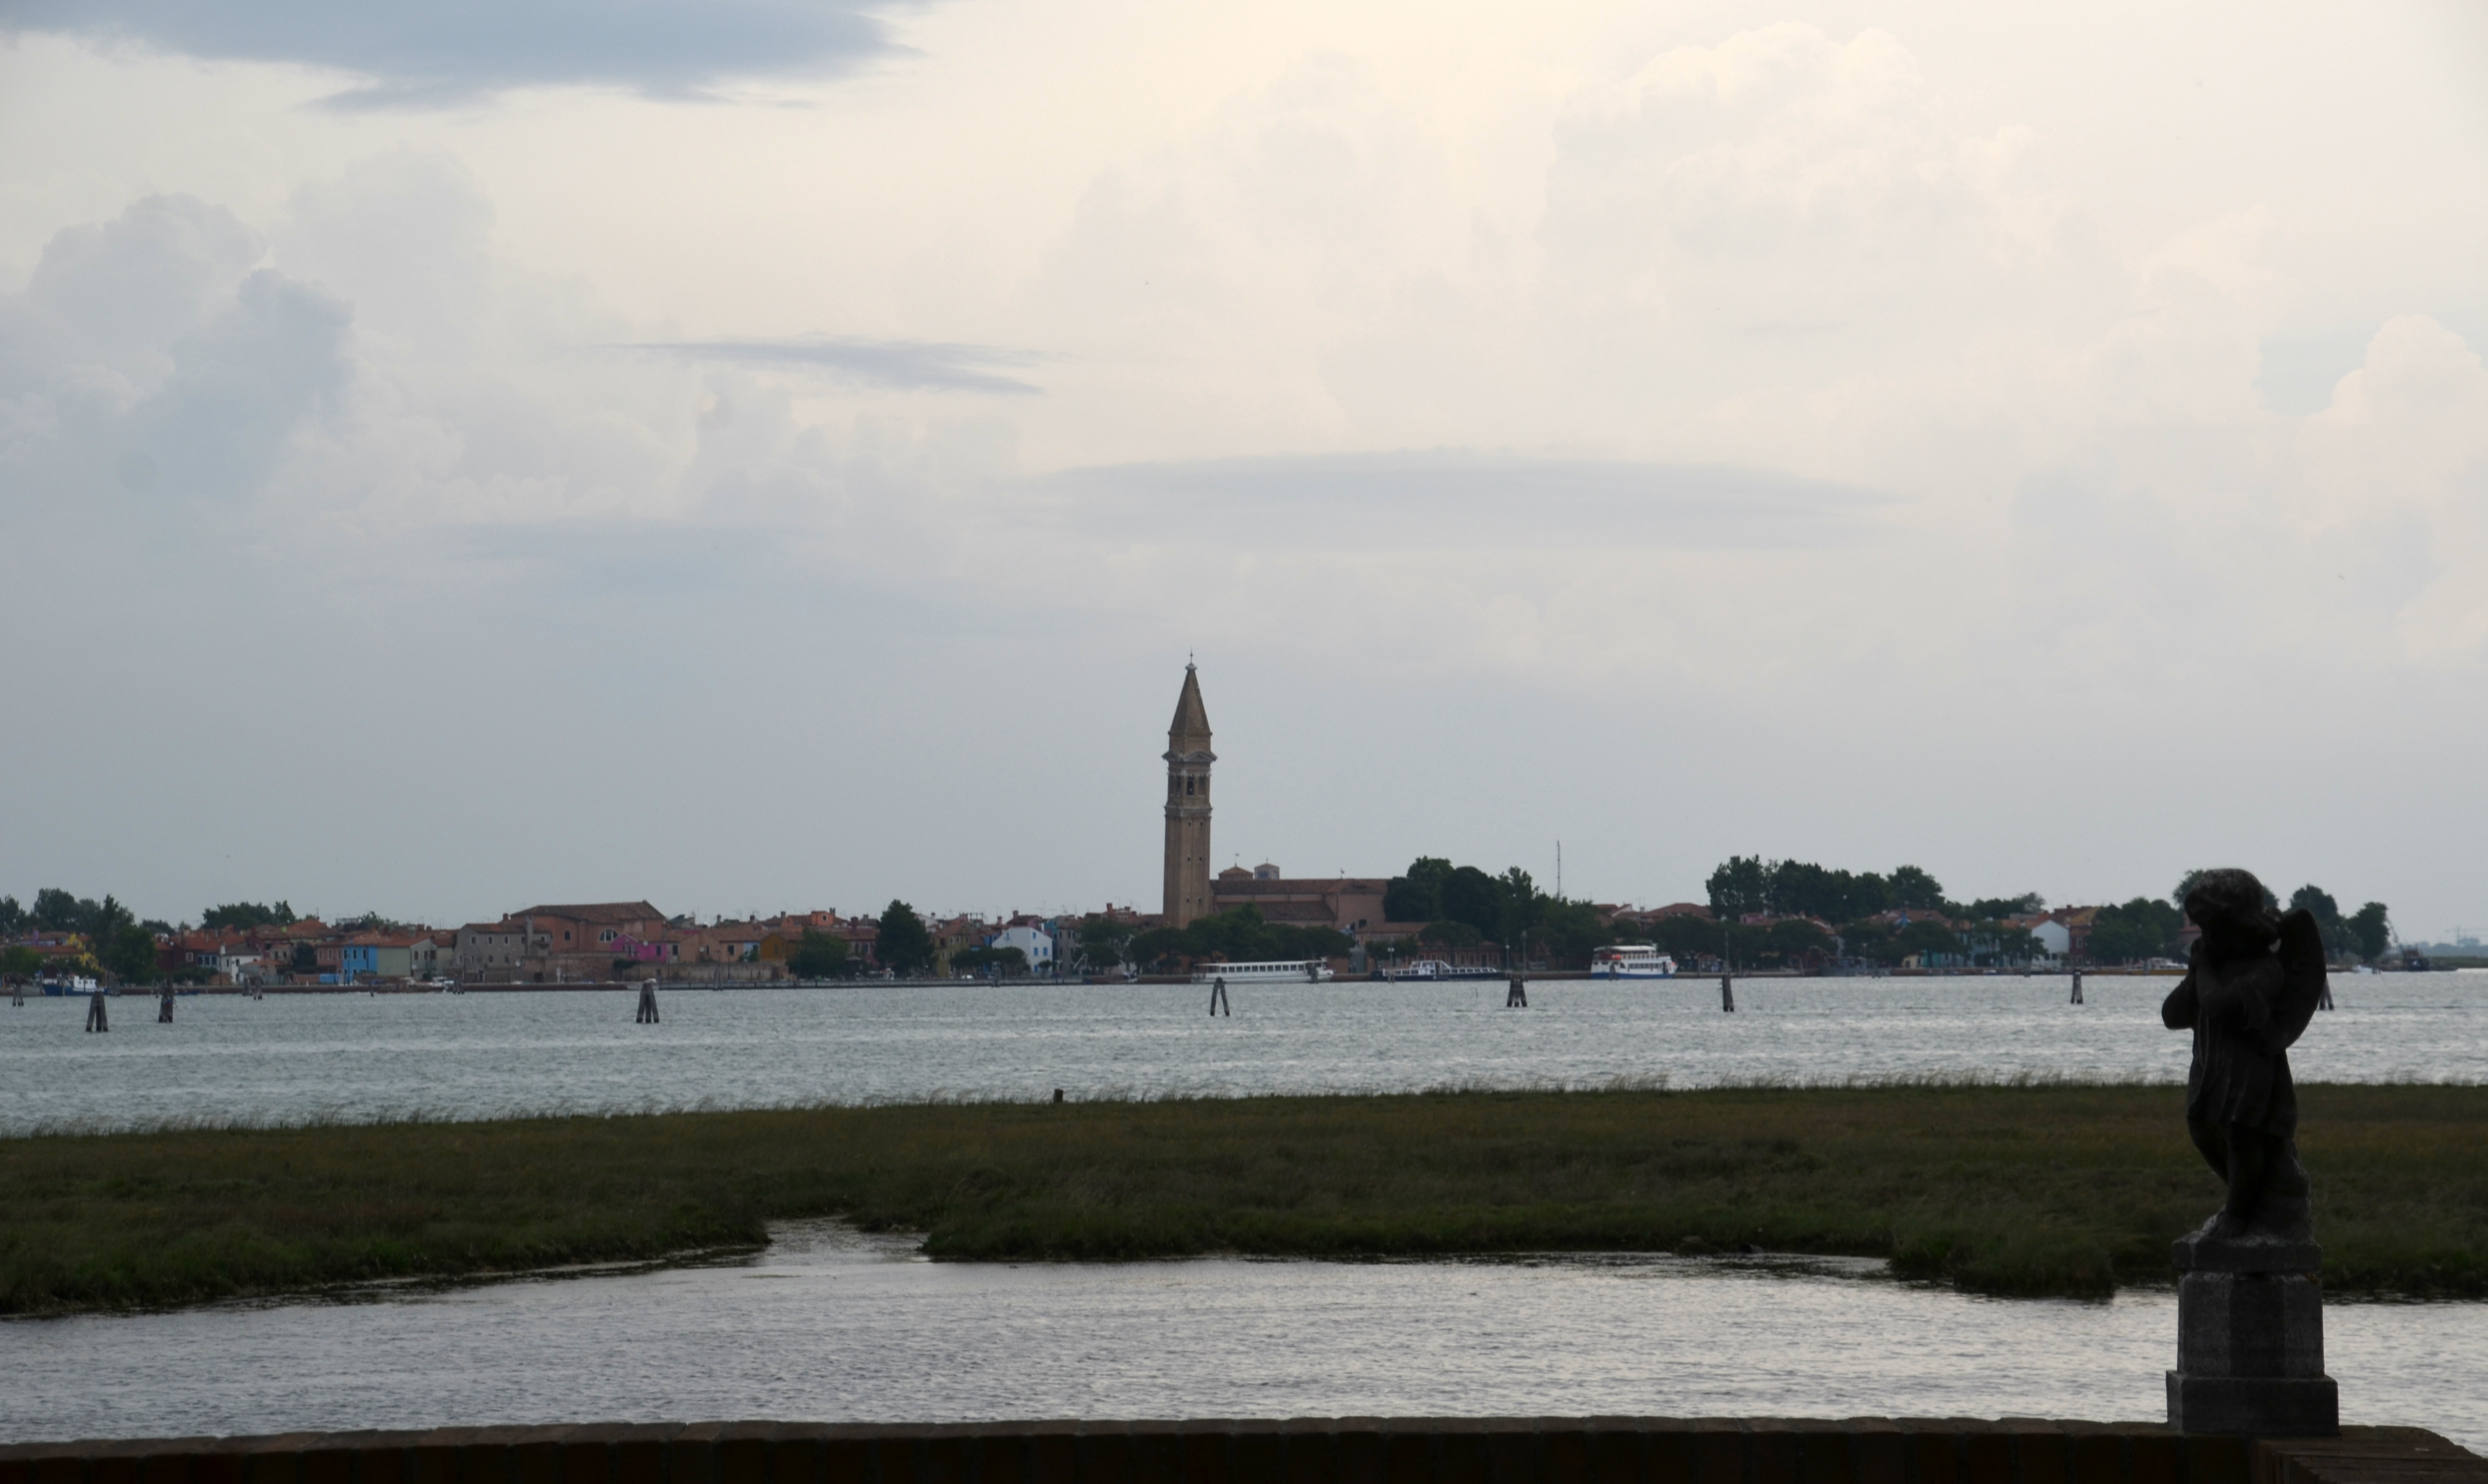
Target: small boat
{"x": 1307, "y": 971}
{"x": 1631, "y": 961}
{"x": 61, "y": 987}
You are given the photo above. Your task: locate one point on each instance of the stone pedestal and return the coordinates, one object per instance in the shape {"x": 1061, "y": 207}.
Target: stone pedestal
{"x": 2251, "y": 1340}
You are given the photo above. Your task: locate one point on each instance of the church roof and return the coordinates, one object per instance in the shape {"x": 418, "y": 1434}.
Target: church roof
{"x": 1191, "y": 719}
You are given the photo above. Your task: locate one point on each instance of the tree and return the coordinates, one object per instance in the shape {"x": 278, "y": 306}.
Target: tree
{"x": 243, "y": 916}
{"x": 20, "y": 963}
{"x": 1925, "y": 936}
{"x": 1743, "y": 885}
{"x": 13, "y": 917}
{"x": 2001, "y": 944}
{"x": 1238, "y": 935}
{"x": 2319, "y": 904}
{"x": 1872, "y": 941}
{"x": 818, "y": 955}
{"x": 58, "y": 911}
{"x": 1446, "y": 933}
{"x": 1800, "y": 888}
{"x": 306, "y": 959}
{"x": 1469, "y": 895}
{"x": 1791, "y": 939}
{"x": 1988, "y": 908}
{"x": 1523, "y": 903}
{"x": 1685, "y": 937}
{"x": 1917, "y": 890}
{"x": 2372, "y": 929}
{"x": 1106, "y": 944}
{"x": 1004, "y": 962}
{"x": 128, "y": 950}
{"x": 2140, "y": 929}
{"x": 1156, "y": 946}
{"x": 1418, "y": 896}
{"x": 1572, "y": 931}
{"x": 904, "y": 945}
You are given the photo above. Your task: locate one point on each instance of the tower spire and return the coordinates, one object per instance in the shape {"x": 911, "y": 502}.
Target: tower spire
{"x": 1187, "y": 805}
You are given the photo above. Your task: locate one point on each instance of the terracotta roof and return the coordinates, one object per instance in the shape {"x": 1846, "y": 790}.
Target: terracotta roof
{"x": 596, "y": 911}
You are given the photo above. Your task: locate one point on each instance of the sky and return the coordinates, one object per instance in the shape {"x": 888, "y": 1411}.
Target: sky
{"x": 780, "y": 454}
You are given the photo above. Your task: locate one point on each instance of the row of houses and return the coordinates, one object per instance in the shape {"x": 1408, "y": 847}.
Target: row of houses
{"x": 606, "y": 940}
{"x": 600, "y": 942}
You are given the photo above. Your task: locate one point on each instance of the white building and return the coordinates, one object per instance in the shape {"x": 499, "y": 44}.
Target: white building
{"x": 2055, "y": 939}
{"x": 1035, "y": 943}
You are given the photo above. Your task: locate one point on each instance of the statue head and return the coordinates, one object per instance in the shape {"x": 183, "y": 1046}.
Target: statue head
{"x": 2229, "y": 905}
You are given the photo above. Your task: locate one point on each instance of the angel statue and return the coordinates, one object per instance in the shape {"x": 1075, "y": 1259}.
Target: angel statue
{"x": 2251, "y": 986}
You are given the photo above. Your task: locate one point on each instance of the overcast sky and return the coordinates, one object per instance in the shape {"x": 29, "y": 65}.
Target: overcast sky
{"x": 758, "y": 454}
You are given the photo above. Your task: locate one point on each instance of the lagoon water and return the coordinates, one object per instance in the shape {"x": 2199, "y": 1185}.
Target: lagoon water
{"x": 228, "y": 1058}
{"x": 831, "y": 1325}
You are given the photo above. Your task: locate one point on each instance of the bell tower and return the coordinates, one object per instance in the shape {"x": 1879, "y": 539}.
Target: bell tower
{"x": 1187, "y": 807}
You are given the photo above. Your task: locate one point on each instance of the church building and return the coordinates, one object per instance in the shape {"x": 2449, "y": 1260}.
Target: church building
{"x": 1352, "y": 905}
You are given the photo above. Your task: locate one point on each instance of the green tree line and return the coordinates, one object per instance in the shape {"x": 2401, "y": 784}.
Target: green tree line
{"x": 2123, "y": 933}
{"x": 1462, "y": 906}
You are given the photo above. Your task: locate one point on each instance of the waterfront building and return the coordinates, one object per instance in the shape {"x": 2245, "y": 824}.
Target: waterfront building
{"x": 1034, "y": 942}
{"x": 1187, "y": 809}
{"x": 1351, "y": 904}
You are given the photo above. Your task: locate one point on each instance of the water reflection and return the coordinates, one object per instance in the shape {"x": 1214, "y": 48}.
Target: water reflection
{"x": 830, "y": 1325}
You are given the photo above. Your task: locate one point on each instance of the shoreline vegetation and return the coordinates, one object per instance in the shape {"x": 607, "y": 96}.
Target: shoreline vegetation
{"x": 2043, "y": 1189}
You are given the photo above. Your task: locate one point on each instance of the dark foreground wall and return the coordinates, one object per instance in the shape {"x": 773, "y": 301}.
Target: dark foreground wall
{"x": 1346, "y": 1450}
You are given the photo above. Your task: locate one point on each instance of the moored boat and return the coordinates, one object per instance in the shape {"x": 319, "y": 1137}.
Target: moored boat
{"x": 1631, "y": 961}
{"x": 1304, "y": 971}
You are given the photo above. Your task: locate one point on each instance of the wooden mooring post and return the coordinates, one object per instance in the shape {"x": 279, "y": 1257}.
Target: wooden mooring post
{"x": 96, "y": 1019}
{"x": 1517, "y": 996}
{"x": 1218, "y": 1003}
{"x": 1727, "y": 992}
{"x": 647, "y": 1001}
{"x": 2324, "y": 1001}
{"x": 165, "y": 1007}
{"x": 2078, "y": 989}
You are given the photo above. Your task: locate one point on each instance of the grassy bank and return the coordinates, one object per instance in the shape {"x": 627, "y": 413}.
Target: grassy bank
{"x": 2043, "y": 1190}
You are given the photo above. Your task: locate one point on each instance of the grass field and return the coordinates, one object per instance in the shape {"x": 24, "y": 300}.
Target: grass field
{"x": 2053, "y": 1189}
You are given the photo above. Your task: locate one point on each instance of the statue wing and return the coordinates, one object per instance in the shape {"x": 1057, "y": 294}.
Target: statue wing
{"x": 2177, "y": 1011}
{"x": 2301, "y": 974}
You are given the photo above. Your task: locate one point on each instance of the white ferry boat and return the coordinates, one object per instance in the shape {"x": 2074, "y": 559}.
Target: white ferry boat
{"x": 1304, "y": 971}
{"x": 1631, "y": 961}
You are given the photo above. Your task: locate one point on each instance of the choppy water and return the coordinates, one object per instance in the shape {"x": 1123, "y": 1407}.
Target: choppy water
{"x": 228, "y": 1058}
{"x": 829, "y": 1325}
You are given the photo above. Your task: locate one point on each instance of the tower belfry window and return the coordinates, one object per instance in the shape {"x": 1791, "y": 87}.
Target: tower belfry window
{"x": 1187, "y": 787}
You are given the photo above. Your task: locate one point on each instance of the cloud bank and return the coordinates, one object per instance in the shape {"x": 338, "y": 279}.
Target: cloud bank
{"x": 459, "y": 50}
{"x": 873, "y": 362}
{"x": 1749, "y": 446}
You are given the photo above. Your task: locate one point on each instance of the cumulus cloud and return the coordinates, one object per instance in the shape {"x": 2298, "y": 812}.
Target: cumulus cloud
{"x": 153, "y": 353}
{"x": 450, "y": 52}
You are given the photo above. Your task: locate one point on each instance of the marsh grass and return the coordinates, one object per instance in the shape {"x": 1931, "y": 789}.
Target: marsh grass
{"x": 2035, "y": 1187}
